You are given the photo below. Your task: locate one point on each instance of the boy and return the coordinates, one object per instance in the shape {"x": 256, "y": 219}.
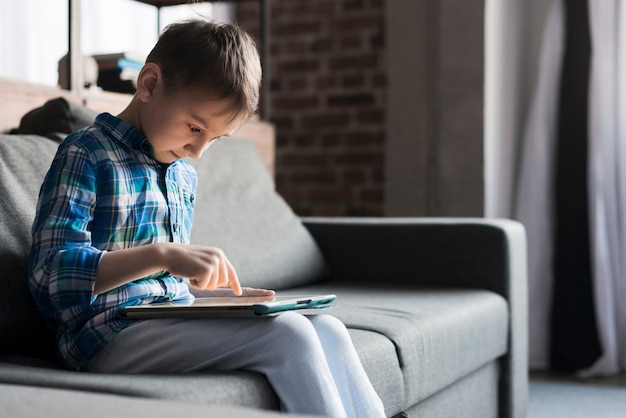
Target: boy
{"x": 113, "y": 226}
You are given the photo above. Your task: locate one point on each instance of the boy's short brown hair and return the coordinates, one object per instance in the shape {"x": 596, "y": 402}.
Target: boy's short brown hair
{"x": 214, "y": 57}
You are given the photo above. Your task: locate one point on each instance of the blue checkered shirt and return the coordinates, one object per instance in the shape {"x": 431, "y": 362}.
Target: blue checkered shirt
{"x": 104, "y": 192}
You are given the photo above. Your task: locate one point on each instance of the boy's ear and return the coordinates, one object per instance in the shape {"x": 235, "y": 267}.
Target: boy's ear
{"x": 148, "y": 80}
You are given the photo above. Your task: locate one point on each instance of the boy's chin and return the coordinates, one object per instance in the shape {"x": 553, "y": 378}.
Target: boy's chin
{"x": 167, "y": 157}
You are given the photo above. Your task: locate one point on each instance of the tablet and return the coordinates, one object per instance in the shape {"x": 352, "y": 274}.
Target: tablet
{"x": 230, "y": 306}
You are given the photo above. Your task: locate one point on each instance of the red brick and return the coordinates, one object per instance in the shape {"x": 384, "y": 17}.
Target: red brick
{"x": 325, "y": 82}
{"x": 353, "y": 42}
{"x": 329, "y": 194}
{"x": 353, "y": 80}
{"x": 322, "y": 45}
{"x": 372, "y": 195}
{"x": 331, "y": 140}
{"x": 304, "y": 65}
{"x": 299, "y": 160}
{"x": 356, "y": 158}
{"x": 305, "y": 140}
{"x": 297, "y": 84}
{"x": 354, "y": 177}
{"x": 324, "y": 121}
{"x": 359, "y": 62}
{"x": 296, "y": 102}
{"x": 328, "y": 86}
{"x": 371, "y": 117}
{"x": 315, "y": 8}
{"x": 357, "y": 99}
{"x": 365, "y": 138}
{"x": 358, "y": 23}
{"x": 353, "y": 5}
{"x": 313, "y": 177}
{"x": 296, "y": 28}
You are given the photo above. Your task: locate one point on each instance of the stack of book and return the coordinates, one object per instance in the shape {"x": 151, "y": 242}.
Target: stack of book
{"x": 118, "y": 72}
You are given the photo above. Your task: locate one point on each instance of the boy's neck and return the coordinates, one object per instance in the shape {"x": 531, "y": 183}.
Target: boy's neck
{"x": 131, "y": 114}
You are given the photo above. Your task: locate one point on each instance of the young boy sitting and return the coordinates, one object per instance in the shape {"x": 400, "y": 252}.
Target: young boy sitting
{"x": 113, "y": 225}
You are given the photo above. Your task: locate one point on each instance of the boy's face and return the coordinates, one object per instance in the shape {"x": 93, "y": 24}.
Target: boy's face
{"x": 183, "y": 124}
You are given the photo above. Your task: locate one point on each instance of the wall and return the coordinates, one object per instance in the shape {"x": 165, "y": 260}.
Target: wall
{"x": 328, "y": 78}
{"x": 378, "y": 105}
{"x": 435, "y": 110}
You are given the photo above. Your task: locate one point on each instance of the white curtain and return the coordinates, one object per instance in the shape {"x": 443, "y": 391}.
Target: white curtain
{"x": 607, "y": 180}
{"x": 524, "y": 45}
{"x": 534, "y": 201}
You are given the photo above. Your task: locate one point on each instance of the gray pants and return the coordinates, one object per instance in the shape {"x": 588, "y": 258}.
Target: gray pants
{"x": 310, "y": 361}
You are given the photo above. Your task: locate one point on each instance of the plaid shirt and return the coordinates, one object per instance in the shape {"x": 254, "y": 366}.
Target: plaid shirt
{"x": 104, "y": 192}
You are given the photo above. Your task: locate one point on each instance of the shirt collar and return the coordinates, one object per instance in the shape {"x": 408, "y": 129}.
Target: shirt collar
{"x": 125, "y": 133}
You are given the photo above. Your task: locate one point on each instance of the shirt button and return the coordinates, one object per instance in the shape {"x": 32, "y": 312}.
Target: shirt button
{"x": 192, "y": 198}
{"x": 175, "y": 227}
{"x": 136, "y": 146}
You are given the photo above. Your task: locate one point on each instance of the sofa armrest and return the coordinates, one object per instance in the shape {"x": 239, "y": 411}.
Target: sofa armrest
{"x": 451, "y": 252}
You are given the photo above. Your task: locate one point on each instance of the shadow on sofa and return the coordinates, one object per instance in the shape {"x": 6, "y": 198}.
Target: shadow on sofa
{"x": 436, "y": 307}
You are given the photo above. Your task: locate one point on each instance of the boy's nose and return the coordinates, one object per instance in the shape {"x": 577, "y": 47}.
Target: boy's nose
{"x": 197, "y": 148}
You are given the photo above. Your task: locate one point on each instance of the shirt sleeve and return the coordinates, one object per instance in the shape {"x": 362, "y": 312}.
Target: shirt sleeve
{"x": 64, "y": 264}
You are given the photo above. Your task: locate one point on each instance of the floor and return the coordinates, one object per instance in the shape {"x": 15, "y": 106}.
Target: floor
{"x": 553, "y": 395}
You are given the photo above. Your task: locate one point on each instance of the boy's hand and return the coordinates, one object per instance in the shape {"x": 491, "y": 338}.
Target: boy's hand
{"x": 207, "y": 268}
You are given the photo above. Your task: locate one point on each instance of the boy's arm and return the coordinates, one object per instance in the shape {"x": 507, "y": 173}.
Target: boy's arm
{"x": 207, "y": 268}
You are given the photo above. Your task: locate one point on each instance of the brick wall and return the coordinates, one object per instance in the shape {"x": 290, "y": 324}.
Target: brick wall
{"x": 328, "y": 85}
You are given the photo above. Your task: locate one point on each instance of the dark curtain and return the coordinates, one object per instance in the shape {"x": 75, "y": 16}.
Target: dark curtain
{"x": 574, "y": 338}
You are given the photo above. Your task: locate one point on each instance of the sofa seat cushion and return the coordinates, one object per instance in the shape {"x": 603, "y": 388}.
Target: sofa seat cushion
{"x": 28, "y": 401}
{"x": 247, "y": 389}
{"x": 439, "y": 335}
{"x": 236, "y": 388}
{"x": 412, "y": 343}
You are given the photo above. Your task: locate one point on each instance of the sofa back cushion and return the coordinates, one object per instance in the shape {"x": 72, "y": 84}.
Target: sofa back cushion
{"x": 24, "y": 161}
{"x": 239, "y": 211}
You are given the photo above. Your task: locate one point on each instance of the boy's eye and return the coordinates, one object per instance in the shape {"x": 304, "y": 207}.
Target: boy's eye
{"x": 194, "y": 129}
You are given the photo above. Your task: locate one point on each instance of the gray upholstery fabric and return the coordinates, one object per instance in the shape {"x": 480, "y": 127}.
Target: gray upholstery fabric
{"x": 238, "y": 210}
{"x": 439, "y": 335}
{"x": 473, "y": 396}
{"x": 376, "y": 351}
{"x": 380, "y": 361}
{"x": 28, "y": 402}
{"x": 235, "y": 388}
{"x": 436, "y": 307}
{"x": 442, "y": 252}
{"x": 24, "y": 160}
{"x": 413, "y": 343}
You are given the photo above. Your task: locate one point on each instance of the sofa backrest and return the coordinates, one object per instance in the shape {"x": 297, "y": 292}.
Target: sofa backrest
{"x": 24, "y": 160}
{"x": 237, "y": 209}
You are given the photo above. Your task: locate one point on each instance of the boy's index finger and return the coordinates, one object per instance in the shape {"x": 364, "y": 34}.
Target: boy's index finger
{"x": 233, "y": 280}
{"x": 234, "y": 284}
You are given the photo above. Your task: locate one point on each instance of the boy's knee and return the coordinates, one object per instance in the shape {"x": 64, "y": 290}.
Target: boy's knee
{"x": 331, "y": 330}
{"x": 328, "y": 324}
{"x": 294, "y": 329}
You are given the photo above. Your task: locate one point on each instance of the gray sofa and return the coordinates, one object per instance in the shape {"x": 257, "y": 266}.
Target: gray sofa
{"x": 436, "y": 307}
